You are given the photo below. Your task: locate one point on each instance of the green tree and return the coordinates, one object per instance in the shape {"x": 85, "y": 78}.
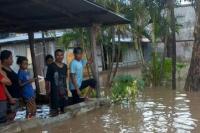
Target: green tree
{"x": 193, "y": 78}
{"x": 163, "y": 28}
{"x": 138, "y": 14}
{"x": 118, "y": 6}
{"x": 173, "y": 29}
{"x": 155, "y": 8}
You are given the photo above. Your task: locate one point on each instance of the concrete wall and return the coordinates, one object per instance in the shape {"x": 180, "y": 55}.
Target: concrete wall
{"x": 130, "y": 56}
{"x": 186, "y": 18}
{"x": 183, "y": 50}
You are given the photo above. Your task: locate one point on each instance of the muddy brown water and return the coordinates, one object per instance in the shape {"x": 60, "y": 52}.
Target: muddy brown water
{"x": 160, "y": 110}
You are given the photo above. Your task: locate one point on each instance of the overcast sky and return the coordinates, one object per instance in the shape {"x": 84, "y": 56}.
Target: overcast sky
{"x": 184, "y": 2}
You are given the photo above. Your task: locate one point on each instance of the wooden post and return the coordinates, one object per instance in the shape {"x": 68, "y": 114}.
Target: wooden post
{"x": 35, "y": 72}
{"x": 173, "y": 27}
{"x": 93, "y": 32}
{"x": 43, "y": 45}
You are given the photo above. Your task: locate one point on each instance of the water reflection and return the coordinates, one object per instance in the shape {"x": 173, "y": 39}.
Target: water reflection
{"x": 169, "y": 114}
{"x": 42, "y": 112}
{"x": 183, "y": 120}
{"x": 156, "y": 111}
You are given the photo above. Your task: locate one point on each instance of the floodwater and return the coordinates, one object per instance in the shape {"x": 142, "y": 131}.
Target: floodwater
{"x": 160, "y": 110}
{"x": 42, "y": 113}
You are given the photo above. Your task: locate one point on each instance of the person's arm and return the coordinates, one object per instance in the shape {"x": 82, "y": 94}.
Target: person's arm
{"x": 23, "y": 79}
{"x": 68, "y": 91}
{"x": 47, "y": 87}
{"x": 74, "y": 82}
{"x": 5, "y": 80}
{"x": 10, "y": 98}
{"x": 26, "y": 82}
{"x": 73, "y": 69}
{"x": 49, "y": 75}
{"x": 89, "y": 61}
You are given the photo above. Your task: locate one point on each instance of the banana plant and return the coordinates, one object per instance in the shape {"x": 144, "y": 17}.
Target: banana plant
{"x": 118, "y": 6}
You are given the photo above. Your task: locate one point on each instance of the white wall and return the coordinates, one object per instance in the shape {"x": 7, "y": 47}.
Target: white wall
{"x": 24, "y": 50}
{"x": 130, "y": 56}
{"x": 18, "y": 49}
{"x": 187, "y": 18}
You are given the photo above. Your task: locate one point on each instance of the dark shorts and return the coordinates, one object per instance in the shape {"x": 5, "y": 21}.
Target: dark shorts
{"x": 57, "y": 102}
{"x": 87, "y": 83}
{"x": 3, "y": 111}
{"x": 13, "y": 108}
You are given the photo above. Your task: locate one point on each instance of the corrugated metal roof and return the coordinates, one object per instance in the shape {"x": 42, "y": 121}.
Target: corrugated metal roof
{"x": 38, "y": 36}
{"x": 129, "y": 39}
{"x": 24, "y": 37}
{"x": 37, "y": 15}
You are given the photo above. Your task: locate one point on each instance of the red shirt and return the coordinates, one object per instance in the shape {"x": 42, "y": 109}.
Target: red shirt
{"x": 2, "y": 90}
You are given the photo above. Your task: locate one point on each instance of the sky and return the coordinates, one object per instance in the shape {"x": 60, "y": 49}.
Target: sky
{"x": 184, "y": 2}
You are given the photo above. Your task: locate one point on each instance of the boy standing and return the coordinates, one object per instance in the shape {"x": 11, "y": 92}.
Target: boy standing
{"x": 57, "y": 83}
{"x": 76, "y": 75}
{"x": 28, "y": 93}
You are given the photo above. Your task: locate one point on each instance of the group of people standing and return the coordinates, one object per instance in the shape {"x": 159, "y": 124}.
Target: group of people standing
{"x": 57, "y": 79}
{"x": 15, "y": 86}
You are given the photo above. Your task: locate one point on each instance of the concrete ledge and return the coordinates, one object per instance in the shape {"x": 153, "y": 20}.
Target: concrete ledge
{"x": 71, "y": 111}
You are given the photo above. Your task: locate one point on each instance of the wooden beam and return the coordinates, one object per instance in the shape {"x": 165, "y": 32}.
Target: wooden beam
{"x": 36, "y": 28}
{"x": 13, "y": 3}
{"x": 89, "y": 13}
{"x": 93, "y": 33}
{"x": 44, "y": 20}
{"x": 35, "y": 72}
{"x": 9, "y": 19}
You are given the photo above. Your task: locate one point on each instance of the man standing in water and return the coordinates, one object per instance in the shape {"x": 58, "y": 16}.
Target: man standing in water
{"x": 14, "y": 89}
{"x": 76, "y": 75}
{"x": 57, "y": 83}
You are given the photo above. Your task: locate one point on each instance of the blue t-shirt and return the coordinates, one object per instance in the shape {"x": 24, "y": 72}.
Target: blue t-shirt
{"x": 28, "y": 91}
{"x": 77, "y": 68}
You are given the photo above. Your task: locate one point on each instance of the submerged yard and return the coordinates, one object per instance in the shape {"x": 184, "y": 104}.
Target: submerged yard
{"x": 134, "y": 53}
{"x": 156, "y": 110}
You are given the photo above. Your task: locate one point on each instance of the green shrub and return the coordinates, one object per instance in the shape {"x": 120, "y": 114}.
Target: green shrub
{"x": 167, "y": 69}
{"x": 126, "y": 87}
{"x": 92, "y": 93}
{"x": 179, "y": 68}
{"x": 151, "y": 71}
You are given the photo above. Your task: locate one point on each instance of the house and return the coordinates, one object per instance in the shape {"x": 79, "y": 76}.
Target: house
{"x": 52, "y": 15}
{"x": 186, "y": 17}
{"x": 18, "y": 44}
